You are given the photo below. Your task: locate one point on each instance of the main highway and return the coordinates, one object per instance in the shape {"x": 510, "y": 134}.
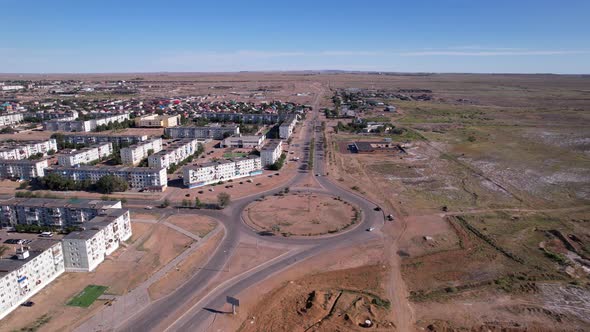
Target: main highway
{"x": 184, "y": 308}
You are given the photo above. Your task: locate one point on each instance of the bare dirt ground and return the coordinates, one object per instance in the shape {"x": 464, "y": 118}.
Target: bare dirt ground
{"x": 151, "y": 247}
{"x": 301, "y": 214}
{"x": 199, "y": 225}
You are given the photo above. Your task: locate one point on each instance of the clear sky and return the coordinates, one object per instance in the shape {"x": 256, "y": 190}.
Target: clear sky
{"x": 523, "y": 36}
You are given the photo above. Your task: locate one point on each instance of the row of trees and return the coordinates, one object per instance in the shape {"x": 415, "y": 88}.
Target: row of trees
{"x": 105, "y": 185}
{"x": 279, "y": 163}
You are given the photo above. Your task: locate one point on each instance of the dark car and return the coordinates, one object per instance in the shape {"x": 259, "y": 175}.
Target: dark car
{"x": 28, "y": 304}
{"x": 377, "y": 208}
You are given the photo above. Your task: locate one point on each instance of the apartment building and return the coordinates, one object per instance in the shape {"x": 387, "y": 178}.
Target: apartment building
{"x": 287, "y": 126}
{"x": 11, "y": 87}
{"x": 174, "y": 153}
{"x": 28, "y": 270}
{"x": 244, "y": 142}
{"x": 11, "y": 119}
{"x": 134, "y": 154}
{"x": 207, "y": 132}
{"x": 51, "y": 212}
{"x": 84, "y": 250}
{"x": 83, "y": 126}
{"x": 143, "y": 178}
{"x": 213, "y": 172}
{"x": 22, "y": 169}
{"x": 85, "y": 155}
{"x": 271, "y": 152}
{"x": 25, "y": 149}
{"x": 157, "y": 121}
{"x": 261, "y": 118}
{"x": 94, "y": 138}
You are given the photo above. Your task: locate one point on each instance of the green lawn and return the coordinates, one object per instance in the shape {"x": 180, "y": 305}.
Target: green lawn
{"x": 87, "y": 296}
{"x": 234, "y": 155}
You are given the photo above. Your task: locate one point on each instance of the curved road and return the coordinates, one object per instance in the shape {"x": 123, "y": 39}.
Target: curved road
{"x": 184, "y": 309}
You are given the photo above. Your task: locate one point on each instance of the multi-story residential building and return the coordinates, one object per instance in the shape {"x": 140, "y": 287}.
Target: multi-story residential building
{"x": 94, "y": 138}
{"x": 10, "y": 119}
{"x": 145, "y": 178}
{"x": 244, "y": 142}
{"x": 70, "y": 115}
{"x": 84, "y": 250}
{"x": 174, "y": 153}
{"x": 271, "y": 152}
{"x": 286, "y": 128}
{"x": 25, "y": 273}
{"x": 262, "y": 118}
{"x": 25, "y": 149}
{"x": 134, "y": 154}
{"x": 157, "y": 121}
{"x": 214, "y": 132}
{"x": 22, "y": 169}
{"x": 11, "y": 87}
{"x": 51, "y": 212}
{"x": 85, "y": 155}
{"x": 214, "y": 172}
{"x": 84, "y": 126}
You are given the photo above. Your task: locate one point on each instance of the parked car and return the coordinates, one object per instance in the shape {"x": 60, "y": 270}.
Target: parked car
{"x": 370, "y": 229}
{"x": 28, "y": 304}
{"x": 149, "y": 207}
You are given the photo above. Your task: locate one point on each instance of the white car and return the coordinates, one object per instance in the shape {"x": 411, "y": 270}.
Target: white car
{"x": 370, "y": 229}
{"x": 149, "y": 207}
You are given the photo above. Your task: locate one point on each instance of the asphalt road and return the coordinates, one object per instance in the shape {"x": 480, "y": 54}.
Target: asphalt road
{"x": 187, "y": 310}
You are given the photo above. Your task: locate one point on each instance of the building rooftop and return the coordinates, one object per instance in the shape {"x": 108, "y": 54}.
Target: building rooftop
{"x": 271, "y": 144}
{"x": 106, "y": 168}
{"x": 22, "y": 161}
{"x": 96, "y": 224}
{"x": 35, "y": 244}
{"x": 56, "y": 203}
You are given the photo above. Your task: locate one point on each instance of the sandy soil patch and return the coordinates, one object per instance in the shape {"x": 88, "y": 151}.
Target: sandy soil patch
{"x": 301, "y": 214}
{"x": 198, "y": 225}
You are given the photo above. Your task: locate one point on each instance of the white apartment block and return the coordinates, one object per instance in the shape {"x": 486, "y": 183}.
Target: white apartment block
{"x": 22, "y": 169}
{"x": 23, "y": 150}
{"x": 244, "y": 142}
{"x": 208, "y": 173}
{"x": 31, "y": 268}
{"x": 84, "y": 126}
{"x": 51, "y": 212}
{"x": 286, "y": 128}
{"x": 85, "y": 155}
{"x": 11, "y": 119}
{"x": 134, "y": 154}
{"x": 174, "y": 153}
{"x": 157, "y": 121}
{"x": 271, "y": 152}
{"x": 85, "y": 250}
{"x": 145, "y": 178}
{"x": 93, "y": 138}
{"x": 211, "y": 132}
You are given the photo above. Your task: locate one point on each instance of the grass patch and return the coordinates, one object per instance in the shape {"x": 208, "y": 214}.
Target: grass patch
{"x": 229, "y": 155}
{"x": 87, "y": 296}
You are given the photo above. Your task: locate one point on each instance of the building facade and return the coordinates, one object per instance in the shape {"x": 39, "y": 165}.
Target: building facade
{"x": 144, "y": 178}
{"x": 286, "y": 128}
{"x": 85, "y": 155}
{"x": 207, "y": 132}
{"x": 83, "y": 126}
{"x": 244, "y": 142}
{"x": 271, "y": 152}
{"x": 260, "y": 118}
{"x": 134, "y": 154}
{"x": 22, "y": 169}
{"x": 157, "y": 121}
{"x": 94, "y": 138}
{"x": 214, "y": 172}
{"x": 26, "y": 149}
{"x": 11, "y": 119}
{"x": 174, "y": 153}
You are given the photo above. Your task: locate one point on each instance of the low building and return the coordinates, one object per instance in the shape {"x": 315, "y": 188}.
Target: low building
{"x": 94, "y": 138}
{"x": 25, "y": 149}
{"x": 134, "y": 154}
{"x": 26, "y": 269}
{"x": 374, "y": 147}
{"x": 244, "y": 142}
{"x": 207, "y": 132}
{"x": 271, "y": 152}
{"x": 84, "y": 250}
{"x": 57, "y": 213}
{"x": 174, "y": 153}
{"x": 286, "y": 128}
{"x": 84, "y": 126}
{"x": 22, "y": 169}
{"x": 157, "y": 121}
{"x": 85, "y": 155}
{"x": 11, "y": 119}
{"x": 144, "y": 178}
{"x": 214, "y": 172}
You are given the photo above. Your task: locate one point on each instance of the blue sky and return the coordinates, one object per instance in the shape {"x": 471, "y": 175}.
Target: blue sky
{"x": 521, "y": 36}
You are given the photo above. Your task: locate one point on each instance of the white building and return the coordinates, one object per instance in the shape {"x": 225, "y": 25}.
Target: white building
{"x": 174, "y": 153}
{"x": 11, "y": 87}
{"x": 11, "y": 119}
{"x": 85, "y": 250}
{"x": 22, "y": 169}
{"x": 271, "y": 152}
{"x": 93, "y": 138}
{"x": 212, "y": 132}
{"x": 145, "y": 178}
{"x": 214, "y": 172}
{"x": 31, "y": 268}
{"x": 157, "y": 121}
{"x": 286, "y": 128}
{"x": 85, "y": 126}
{"x": 243, "y": 142}
{"x": 134, "y": 154}
{"x": 25, "y": 149}
{"x": 85, "y": 155}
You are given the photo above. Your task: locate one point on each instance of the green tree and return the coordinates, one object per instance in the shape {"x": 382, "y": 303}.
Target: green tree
{"x": 110, "y": 183}
{"x": 198, "y": 203}
{"x": 223, "y": 199}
